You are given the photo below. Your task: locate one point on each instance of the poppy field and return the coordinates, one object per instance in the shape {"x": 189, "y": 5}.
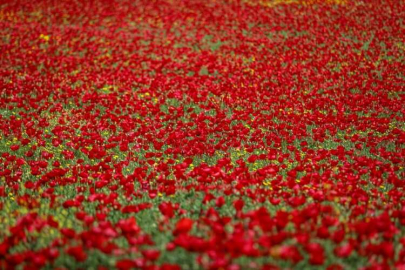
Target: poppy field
{"x": 202, "y": 134}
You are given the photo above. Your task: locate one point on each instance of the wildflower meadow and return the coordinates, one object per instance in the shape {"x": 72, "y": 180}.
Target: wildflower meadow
{"x": 202, "y": 134}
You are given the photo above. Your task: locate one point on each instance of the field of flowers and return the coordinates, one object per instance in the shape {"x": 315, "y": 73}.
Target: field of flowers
{"x": 202, "y": 134}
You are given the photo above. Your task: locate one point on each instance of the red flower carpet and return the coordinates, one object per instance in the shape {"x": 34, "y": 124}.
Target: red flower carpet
{"x": 202, "y": 134}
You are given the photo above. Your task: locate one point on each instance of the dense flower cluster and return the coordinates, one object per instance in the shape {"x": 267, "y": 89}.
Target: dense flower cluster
{"x": 214, "y": 134}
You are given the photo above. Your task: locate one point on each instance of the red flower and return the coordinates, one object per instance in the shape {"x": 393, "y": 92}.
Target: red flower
{"x": 68, "y": 233}
{"x": 77, "y": 252}
{"x": 183, "y": 226}
{"x": 290, "y": 253}
{"x": 167, "y": 266}
{"x": 343, "y": 251}
{"x": 238, "y": 204}
{"x": 167, "y": 209}
{"x": 4, "y": 246}
{"x": 71, "y": 203}
{"x": 151, "y": 254}
{"x": 316, "y": 253}
{"x": 125, "y": 264}
{"x": 14, "y": 147}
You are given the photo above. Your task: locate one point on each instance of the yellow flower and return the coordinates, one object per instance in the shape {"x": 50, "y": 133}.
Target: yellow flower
{"x": 44, "y": 37}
